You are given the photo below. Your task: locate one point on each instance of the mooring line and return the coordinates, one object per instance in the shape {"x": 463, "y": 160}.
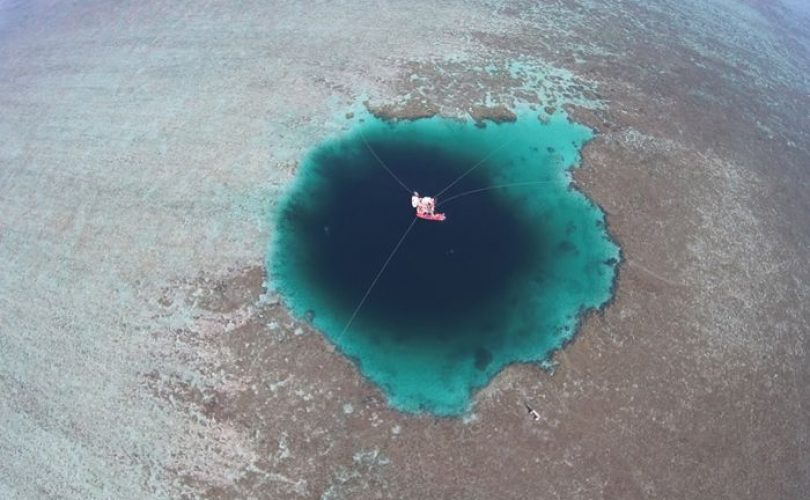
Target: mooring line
{"x": 465, "y": 193}
{"x": 376, "y": 278}
{"x": 654, "y": 274}
{"x": 506, "y": 143}
{"x": 382, "y": 163}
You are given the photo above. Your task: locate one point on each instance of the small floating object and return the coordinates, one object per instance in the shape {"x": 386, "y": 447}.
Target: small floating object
{"x": 436, "y": 217}
{"x": 425, "y": 206}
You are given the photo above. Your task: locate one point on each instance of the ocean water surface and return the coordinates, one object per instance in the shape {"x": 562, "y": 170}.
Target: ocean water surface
{"x": 505, "y": 279}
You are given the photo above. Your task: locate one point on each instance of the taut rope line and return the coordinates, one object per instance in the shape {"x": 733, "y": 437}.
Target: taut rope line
{"x": 506, "y": 143}
{"x": 382, "y": 163}
{"x": 465, "y": 193}
{"x": 376, "y": 278}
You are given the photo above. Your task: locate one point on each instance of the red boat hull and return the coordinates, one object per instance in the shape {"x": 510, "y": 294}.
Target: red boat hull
{"x": 436, "y": 217}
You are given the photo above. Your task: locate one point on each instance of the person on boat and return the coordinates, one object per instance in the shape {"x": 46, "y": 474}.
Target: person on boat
{"x": 424, "y": 205}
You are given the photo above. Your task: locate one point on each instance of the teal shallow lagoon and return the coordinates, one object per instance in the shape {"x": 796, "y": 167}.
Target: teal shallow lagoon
{"x": 505, "y": 279}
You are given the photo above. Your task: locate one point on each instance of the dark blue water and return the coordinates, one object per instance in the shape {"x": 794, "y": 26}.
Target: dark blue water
{"x": 503, "y": 279}
{"x": 443, "y": 269}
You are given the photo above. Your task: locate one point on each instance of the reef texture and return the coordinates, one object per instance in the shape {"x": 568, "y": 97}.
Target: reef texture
{"x": 144, "y": 145}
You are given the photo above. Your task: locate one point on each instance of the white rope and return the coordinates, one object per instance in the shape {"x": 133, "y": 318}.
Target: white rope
{"x": 376, "y": 278}
{"x": 382, "y": 163}
{"x": 465, "y": 193}
{"x": 506, "y": 143}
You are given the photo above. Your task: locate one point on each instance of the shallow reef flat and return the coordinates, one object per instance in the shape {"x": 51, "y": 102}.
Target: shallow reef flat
{"x": 146, "y": 148}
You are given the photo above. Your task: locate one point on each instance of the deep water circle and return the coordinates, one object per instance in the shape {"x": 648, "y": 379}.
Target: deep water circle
{"x": 503, "y": 279}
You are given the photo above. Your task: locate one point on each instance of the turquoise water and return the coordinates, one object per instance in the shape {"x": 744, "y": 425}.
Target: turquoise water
{"x": 505, "y": 279}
